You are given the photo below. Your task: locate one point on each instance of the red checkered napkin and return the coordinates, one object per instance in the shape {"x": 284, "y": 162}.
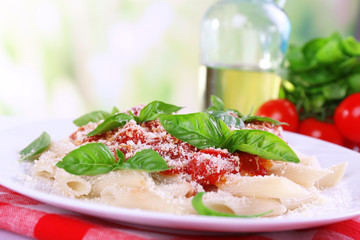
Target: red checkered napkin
{"x": 31, "y": 218}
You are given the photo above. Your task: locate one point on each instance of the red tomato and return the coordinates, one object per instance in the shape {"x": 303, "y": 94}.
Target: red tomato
{"x": 352, "y": 145}
{"x": 282, "y": 110}
{"x": 322, "y": 130}
{"x": 347, "y": 117}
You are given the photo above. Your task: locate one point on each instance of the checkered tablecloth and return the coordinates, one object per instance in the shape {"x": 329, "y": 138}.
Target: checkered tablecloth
{"x": 33, "y": 219}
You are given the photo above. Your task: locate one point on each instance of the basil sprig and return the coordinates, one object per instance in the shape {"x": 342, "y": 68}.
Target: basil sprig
{"x": 201, "y": 209}
{"x": 155, "y": 110}
{"x": 218, "y": 111}
{"x": 321, "y": 73}
{"x": 229, "y": 119}
{"x": 96, "y": 158}
{"x": 217, "y": 104}
{"x": 36, "y": 147}
{"x": 94, "y": 117}
{"x": 150, "y": 112}
{"x": 203, "y": 131}
{"x": 110, "y": 123}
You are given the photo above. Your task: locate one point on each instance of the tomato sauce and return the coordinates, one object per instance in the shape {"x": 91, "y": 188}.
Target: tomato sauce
{"x": 206, "y": 167}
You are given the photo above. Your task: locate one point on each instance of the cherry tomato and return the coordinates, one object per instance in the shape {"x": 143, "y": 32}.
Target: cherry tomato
{"x": 282, "y": 110}
{"x": 322, "y": 130}
{"x": 352, "y": 145}
{"x": 347, "y": 117}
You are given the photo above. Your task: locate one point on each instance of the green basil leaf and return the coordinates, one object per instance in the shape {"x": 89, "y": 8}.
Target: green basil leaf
{"x": 114, "y": 110}
{"x": 311, "y": 48}
{"x": 155, "y": 110}
{"x": 316, "y": 102}
{"x": 89, "y": 159}
{"x": 335, "y": 91}
{"x": 354, "y": 82}
{"x": 198, "y": 129}
{"x": 110, "y": 123}
{"x": 295, "y": 57}
{"x": 36, "y": 147}
{"x": 120, "y": 156}
{"x": 264, "y": 144}
{"x": 297, "y": 61}
{"x": 136, "y": 118}
{"x": 91, "y": 117}
{"x": 351, "y": 46}
{"x": 217, "y": 103}
{"x": 227, "y": 118}
{"x": 248, "y": 119}
{"x": 218, "y": 112}
{"x": 317, "y": 92}
{"x": 317, "y": 77}
{"x": 330, "y": 52}
{"x": 96, "y": 158}
{"x": 201, "y": 209}
{"x": 224, "y": 129}
{"x": 210, "y": 109}
{"x": 349, "y": 66}
{"x": 146, "y": 160}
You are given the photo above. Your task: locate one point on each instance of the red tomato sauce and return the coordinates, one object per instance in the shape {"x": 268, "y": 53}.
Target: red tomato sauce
{"x": 206, "y": 167}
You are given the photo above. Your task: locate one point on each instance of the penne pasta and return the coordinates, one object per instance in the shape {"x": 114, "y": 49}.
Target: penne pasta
{"x": 139, "y": 198}
{"x": 175, "y": 187}
{"x": 71, "y": 185}
{"x": 45, "y": 166}
{"x": 292, "y": 203}
{"x": 43, "y": 169}
{"x": 120, "y": 178}
{"x": 263, "y": 187}
{"x": 334, "y": 176}
{"x": 298, "y": 173}
{"x": 227, "y": 203}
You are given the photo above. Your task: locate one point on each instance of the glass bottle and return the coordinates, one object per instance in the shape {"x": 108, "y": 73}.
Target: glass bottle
{"x": 242, "y": 46}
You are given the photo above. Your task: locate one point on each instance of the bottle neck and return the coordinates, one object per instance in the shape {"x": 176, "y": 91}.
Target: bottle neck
{"x": 246, "y": 33}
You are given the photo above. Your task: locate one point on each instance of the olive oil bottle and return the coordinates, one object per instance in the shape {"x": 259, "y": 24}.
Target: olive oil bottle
{"x": 242, "y": 45}
{"x": 244, "y": 90}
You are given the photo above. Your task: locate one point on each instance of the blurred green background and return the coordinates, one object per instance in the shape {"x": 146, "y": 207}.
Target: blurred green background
{"x": 61, "y": 58}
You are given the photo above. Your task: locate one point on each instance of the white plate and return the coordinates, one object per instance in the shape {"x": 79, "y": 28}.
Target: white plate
{"x": 13, "y": 140}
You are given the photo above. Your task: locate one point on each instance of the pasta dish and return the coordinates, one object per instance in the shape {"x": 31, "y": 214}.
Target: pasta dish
{"x": 219, "y": 162}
